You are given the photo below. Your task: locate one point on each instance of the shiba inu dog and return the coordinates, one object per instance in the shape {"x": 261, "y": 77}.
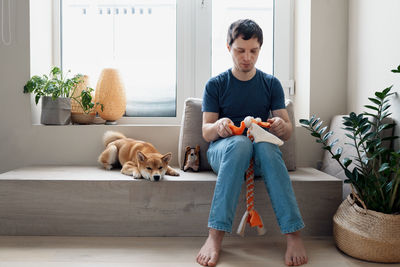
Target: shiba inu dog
{"x": 137, "y": 158}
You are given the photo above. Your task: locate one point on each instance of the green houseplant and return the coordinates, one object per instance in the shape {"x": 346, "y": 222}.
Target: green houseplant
{"x": 84, "y": 100}
{"x": 55, "y": 90}
{"x": 374, "y": 220}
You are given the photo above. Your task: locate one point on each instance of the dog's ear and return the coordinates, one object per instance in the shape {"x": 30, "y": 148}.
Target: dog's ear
{"x": 187, "y": 148}
{"x": 167, "y": 157}
{"x": 197, "y": 149}
{"x": 140, "y": 156}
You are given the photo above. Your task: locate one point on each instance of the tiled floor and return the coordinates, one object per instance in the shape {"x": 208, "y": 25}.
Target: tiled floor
{"x": 161, "y": 251}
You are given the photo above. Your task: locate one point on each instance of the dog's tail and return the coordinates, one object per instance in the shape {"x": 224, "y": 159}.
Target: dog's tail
{"x": 111, "y": 136}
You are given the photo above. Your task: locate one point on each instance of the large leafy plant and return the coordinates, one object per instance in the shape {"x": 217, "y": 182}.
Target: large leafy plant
{"x": 376, "y": 175}
{"x": 55, "y": 85}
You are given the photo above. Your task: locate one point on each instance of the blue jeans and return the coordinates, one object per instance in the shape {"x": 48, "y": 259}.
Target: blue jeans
{"x": 230, "y": 158}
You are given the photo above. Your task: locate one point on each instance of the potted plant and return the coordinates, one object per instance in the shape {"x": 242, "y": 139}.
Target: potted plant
{"x": 55, "y": 91}
{"x": 367, "y": 223}
{"x": 84, "y": 100}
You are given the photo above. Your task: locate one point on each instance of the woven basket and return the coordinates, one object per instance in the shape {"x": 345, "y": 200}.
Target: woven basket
{"x": 75, "y": 107}
{"x": 367, "y": 234}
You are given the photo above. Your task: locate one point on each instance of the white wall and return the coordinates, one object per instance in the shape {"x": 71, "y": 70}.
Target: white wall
{"x": 320, "y": 68}
{"x": 374, "y": 49}
{"x": 41, "y": 44}
{"x": 15, "y": 115}
{"x": 24, "y": 144}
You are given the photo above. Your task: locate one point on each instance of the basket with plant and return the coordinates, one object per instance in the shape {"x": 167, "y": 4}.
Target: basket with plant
{"x": 367, "y": 224}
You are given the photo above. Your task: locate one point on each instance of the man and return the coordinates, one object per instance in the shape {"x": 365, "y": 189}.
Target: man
{"x": 228, "y": 98}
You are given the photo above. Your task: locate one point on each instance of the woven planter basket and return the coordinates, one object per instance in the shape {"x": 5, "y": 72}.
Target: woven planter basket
{"x": 75, "y": 107}
{"x": 367, "y": 234}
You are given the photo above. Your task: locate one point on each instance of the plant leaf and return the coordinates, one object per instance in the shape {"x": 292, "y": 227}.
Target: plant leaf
{"x": 372, "y": 107}
{"x": 347, "y": 162}
{"x": 315, "y": 134}
{"x": 350, "y": 136}
{"x": 315, "y": 122}
{"x": 304, "y": 121}
{"x": 327, "y": 135}
{"x": 312, "y": 119}
{"x": 396, "y": 70}
{"x": 386, "y": 126}
{"x": 323, "y": 130}
{"x": 334, "y": 142}
{"x": 380, "y": 95}
{"x": 384, "y": 167}
{"x": 370, "y": 114}
{"x": 318, "y": 126}
{"x": 37, "y": 97}
{"x": 374, "y": 100}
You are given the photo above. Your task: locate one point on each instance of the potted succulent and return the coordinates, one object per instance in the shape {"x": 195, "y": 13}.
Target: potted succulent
{"x": 55, "y": 91}
{"x": 367, "y": 223}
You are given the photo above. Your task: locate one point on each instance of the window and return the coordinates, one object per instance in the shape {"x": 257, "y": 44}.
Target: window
{"x": 136, "y": 37}
{"x": 224, "y": 12}
{"x": 166, "y": 50}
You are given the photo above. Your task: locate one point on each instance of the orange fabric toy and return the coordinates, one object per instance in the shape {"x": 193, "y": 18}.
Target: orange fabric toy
{"x": 250, "y": 216}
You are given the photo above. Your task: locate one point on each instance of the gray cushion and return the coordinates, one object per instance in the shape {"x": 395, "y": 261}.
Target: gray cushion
{"x": 289, "y": 147}
{"x": 191, "y": 135}
{"x": 191, "y": 132}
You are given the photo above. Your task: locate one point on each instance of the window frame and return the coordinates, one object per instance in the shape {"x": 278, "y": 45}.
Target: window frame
{"x": 194, "y": 30}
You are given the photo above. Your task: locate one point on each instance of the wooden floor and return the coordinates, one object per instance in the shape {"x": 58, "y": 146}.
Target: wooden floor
{"x": 161, "y": 251}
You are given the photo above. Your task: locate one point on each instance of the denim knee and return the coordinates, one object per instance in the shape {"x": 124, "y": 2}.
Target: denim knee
{"x": 267, "y": 151}
{"x": 239, "y": 146}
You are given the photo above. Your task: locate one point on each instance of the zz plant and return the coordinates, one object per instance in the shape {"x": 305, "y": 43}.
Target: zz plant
{"x": 376, "y": 175}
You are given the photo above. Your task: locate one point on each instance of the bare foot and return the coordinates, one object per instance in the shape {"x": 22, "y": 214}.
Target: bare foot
{"x": 295, "y": 251}
{"x": 209, "y": 252}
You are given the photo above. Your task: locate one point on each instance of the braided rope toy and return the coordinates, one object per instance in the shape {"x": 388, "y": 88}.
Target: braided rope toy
{"x": 257, "y": 134}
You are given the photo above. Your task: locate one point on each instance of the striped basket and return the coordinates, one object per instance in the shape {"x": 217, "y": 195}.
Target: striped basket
{"x": 367, "y": 234}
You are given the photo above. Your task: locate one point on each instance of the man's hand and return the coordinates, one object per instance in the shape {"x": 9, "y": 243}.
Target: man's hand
{"x": 278, "y": 126}
{"x": 223, "y": 129}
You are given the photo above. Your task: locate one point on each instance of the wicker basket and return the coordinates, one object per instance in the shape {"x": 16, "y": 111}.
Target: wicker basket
{"x": 75, "y": 107}
{"x": 367, "y": 234}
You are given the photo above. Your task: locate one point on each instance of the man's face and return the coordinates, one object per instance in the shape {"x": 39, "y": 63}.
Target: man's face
{"x": 244, "y": 53}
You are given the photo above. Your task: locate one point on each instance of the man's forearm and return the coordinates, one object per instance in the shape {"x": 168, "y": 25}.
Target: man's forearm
{"x": 288, "y": 132}
{"x": 210, "y": 132}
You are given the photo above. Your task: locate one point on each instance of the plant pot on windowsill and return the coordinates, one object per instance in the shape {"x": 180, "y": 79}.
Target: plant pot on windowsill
{"x": 82, "y": 118}
{"x": 84, "y": 110}
{"x": 56, "y": 112}
{"x": 55, "y": 91}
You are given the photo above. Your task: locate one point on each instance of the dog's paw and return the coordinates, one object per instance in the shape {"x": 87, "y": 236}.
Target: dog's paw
{"x": 126, "y": 172}
{"x": 173, "y": 173}
{"x": 108, "y": 166}
{"x": 136, "y": 175}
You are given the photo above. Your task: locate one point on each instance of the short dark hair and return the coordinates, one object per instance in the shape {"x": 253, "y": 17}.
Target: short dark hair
{"x": 245, "y": 28}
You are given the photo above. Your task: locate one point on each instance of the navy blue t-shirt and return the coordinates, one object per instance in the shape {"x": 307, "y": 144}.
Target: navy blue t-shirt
{"x": 235, "y": 99}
